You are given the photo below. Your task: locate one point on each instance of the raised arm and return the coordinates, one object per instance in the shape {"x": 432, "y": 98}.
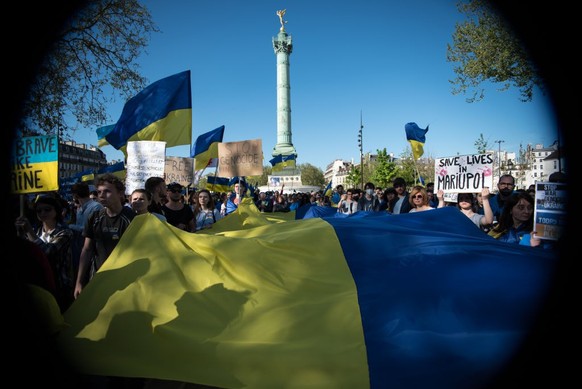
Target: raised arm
{"x": 487, "y": 219}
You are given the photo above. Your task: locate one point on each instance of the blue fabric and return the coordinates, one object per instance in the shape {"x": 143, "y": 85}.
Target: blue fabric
{"x": 443, "y": 305}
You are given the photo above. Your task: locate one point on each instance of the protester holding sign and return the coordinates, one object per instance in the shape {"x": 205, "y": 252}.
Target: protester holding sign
{"x": 467, "y": 204}
{"x": 516, "y": 219}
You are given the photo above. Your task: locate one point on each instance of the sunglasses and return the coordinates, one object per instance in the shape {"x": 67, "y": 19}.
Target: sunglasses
{"x": 44, "y": 209}
{"x": 418, "y": 196}
{"x": 175, "y": 190}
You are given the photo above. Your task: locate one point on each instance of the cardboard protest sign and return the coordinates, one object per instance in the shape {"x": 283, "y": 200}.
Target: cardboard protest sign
{"x": 35, "y": 164}
{"x": 179, "y": 169}
{"x": 240, "y": 158}
{"x": 463, "y": 173}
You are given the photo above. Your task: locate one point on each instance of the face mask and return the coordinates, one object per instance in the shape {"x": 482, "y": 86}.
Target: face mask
{"x": 369, "y": 191}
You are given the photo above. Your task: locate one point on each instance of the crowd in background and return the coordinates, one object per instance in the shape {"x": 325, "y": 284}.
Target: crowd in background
{"x": 72, "y": 239}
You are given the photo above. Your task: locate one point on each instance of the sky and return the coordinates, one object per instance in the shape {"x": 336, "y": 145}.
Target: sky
{"x": 383, "y": 61}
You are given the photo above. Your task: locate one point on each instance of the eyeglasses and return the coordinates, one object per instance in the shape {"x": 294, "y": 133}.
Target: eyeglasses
{"x": 44, "y": 209}
{"x": 418, "y": 196}
{"x": 508, "y": 184}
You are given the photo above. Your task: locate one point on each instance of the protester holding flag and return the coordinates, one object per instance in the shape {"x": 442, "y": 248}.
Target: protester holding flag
{"x": 235, "y": 198}
{"x": 178, "y": 213}
{"x": 104, "y": 228}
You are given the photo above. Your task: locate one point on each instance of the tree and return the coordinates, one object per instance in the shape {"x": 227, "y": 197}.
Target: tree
{"x": 92, "y": 62}
{"x": 481, "y": 144}
{"x": 385, "y": 170}
{"x": 311, "y": 175}
{"x": 487, "y": 50}
{"x": 354, "y": 177}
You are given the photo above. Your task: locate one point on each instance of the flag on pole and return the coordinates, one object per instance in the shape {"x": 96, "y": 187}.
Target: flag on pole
{"x": 281, "y": 161}
{"x": 102, "y": 133}
{"x": 205, "y": 148}
{"x": 327, "y": 191}
{"x": 217, "y": 184}
{"x": 416, "y": 136}
{"x": 160, "y": 112}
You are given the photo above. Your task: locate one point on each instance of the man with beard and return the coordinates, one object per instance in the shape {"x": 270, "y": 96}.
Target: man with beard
{"x": 505, "y": 186}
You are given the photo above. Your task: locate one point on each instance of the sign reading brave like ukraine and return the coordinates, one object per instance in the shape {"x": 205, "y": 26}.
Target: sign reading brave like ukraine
{"x": 35, "y": 164}
{"x": 464, "y": 173}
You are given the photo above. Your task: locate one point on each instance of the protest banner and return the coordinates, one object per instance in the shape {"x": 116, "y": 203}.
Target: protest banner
{"x": 550, "y": 210}
{"x": 463, "y": 173}
{"x": 179, "y": 169}
{"x": 145, "y": 159}
{"x": 35, "y": 164}
{"x": 243, "y": 158}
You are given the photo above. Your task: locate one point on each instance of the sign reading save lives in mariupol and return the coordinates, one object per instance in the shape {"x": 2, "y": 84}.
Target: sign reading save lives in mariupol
{"x": 463, "y": 173}
{"x": 35, "y": 164}
{"x": 240, "y": 158}
{"x": 550, "y": 210}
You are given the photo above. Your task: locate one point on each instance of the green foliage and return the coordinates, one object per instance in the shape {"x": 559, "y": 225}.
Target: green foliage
{"x": 311, "y": 175}
{"x": 481, "y": 144}
{"x": 486, "y": 50}
{"x": 385, "y": 170}
{"x": 354, "y": 177}
{"x": 93, "y": 62}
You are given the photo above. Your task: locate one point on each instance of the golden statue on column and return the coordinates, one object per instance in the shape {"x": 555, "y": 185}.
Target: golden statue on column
{"x": 280, "y": 14}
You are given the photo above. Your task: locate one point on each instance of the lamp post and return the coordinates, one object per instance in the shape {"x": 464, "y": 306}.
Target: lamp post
{"x": 499, "y": 142}
{"x": 361, "y": 146}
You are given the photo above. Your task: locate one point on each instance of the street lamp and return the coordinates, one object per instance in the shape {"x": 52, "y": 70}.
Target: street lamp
{"x": 361, "y": 146}
{"x": 499, "y": 142}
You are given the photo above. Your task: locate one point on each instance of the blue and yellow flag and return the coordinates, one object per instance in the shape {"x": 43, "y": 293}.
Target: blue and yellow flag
{"x": 217, "y": 184}
{"x": 317, "y": 302}
{"x": 416, "y": 136}
{"x": 102, "y": 133}
{"x": 117, "y": 169}
{"x": 328, "y": 191}
{"x": 206, "y": 148}
{"x": 160, "y": 112}
{"x": 279, "y": 162}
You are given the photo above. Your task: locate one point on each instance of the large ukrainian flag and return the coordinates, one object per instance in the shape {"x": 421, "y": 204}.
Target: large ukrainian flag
{"x": 160, "y": 112}
{"x": 423, "y": 300}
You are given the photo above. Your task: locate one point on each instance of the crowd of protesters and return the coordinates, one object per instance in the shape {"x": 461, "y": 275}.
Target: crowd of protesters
{"x": 72, "y": 239}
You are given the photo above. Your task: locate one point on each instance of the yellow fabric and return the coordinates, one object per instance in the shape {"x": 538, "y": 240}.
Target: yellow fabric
{"x": 252, "y": 302}
{"x": 202, "y": 159}
{"x": 417, "y": 149}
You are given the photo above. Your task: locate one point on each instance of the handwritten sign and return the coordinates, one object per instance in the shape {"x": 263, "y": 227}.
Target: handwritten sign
{"x": 464, "y": 173}
{"x": 179, "y": 169}
{"x": 550, "y": 209}
{"x": 35, "y": 164}
{"x": 240, "y": 158}
{"x": 145, "y": 159}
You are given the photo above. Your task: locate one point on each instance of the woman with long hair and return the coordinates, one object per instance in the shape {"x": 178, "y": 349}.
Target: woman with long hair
{"x": 206, "y": 213}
